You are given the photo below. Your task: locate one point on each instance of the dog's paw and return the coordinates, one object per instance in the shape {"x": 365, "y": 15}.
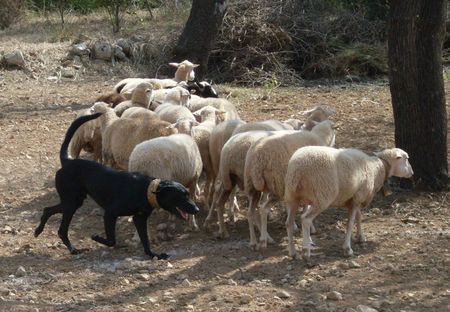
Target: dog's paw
{"x": 38, "y": 231}
{"x": 162, "y": 256}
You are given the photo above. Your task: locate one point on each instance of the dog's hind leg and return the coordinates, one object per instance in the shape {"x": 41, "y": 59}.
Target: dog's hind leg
{"x": 68, "y": 212}
{"x": 48, "y": 212}
{"x": 140, "y": 222}
{"x": 110, "y": 229}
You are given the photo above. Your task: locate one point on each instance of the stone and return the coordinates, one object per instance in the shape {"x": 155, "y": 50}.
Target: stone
{"x": 125, "y": 45}
{"x": 102, "y": 51}
{"x": 283, "y": 294}
{"x": 303, "y": 283}
{"x": 68, "y": 72}
{"x": 144, "y": 277}
{"x": 79, "y": 49}
{"x": 14, "y": 58}
{"x": 21, "y": 272}
{"x": 152, "y": 299}
{"x": 364, "y": 308}
{"x": 169, "y": 265}
{"x": 232, "y": 282}
{"x": 353, "y": 264}
{"x": 161, "y": 227}
{"x": 334, "y": 295}
{"x": 186, "y": 283}
{"x": 245, "y": 299}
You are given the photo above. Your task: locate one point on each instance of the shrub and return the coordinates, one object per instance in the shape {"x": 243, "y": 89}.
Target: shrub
{"x": 10, "y": 10}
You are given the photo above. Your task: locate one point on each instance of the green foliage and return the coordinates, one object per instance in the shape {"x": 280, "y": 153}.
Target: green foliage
{"x": 373, "y": 9}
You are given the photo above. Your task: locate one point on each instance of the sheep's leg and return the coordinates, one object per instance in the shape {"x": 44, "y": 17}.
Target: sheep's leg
{"x": 313, "y": 228}
{"x": 222, "y": 198}
{"x": 290, "y": 221}
{"x": 233, "y": 207}
{"x": 307, "y": 219}
{"x": 192, "y": 223}
{"x": 348, "y": 235}
{"x": 191, "y": 219}
{"x": 295, "y": 224}
{"x": 264, "y": 211}
{"x": 253, "y": 202}
{"x": 197, "y": 193}
{"x": 217, "y": 193}
{"x": 360, "y": 238}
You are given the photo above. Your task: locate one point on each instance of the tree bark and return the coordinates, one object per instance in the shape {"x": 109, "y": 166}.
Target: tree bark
{"x": 416, "y": 34}
{"x": 200, "y": 32}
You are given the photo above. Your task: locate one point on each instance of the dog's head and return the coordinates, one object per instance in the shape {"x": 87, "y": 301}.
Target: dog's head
{"x": 173, "y": 197}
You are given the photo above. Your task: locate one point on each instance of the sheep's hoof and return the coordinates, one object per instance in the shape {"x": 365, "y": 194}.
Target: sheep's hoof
{"x": 254, "y": 246}
{"x": 262, "y": 244}
{"x": 293, "y": 255}
{"x": 348, "y": 252}
{"x": 306, "y": 253}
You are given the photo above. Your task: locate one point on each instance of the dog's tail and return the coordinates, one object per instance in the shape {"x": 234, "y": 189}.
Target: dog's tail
{"x": 63, "y": 155}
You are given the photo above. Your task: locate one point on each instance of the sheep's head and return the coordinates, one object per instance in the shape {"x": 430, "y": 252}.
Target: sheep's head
{"x": 185, "y": 70}
{"x": 100, "y": 107}
{"x": 325, "y": 131}
{"x": 142, "y": 94}
{"x": 185, "y": 125}
{"x": 398, "y": 161}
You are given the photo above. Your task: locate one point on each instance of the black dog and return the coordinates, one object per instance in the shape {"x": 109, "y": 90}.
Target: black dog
{"x": 118, "y": 193}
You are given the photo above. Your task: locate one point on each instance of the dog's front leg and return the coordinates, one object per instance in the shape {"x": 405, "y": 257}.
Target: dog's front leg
{"x": 110, "y": 230}
{"x": 140, "y": 222}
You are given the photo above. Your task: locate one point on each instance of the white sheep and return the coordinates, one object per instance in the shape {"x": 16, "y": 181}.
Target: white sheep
{"x": 141, "y": 97}
{"x": 323, "y": 177}
{"x": 136, "y": 112}
{"x": 184, "y": 72}
{"x": 176, "y": 96}
{"x": 172, "y": 113}
{"x": 266, "y": 164}
{"x": 266, "y": 125}
{"x": 121, "y": 135}
{"x": 174, "y": 157}
{"x": 197, "y": 103}
{"x": 231, "y": 173}
{"x": 87, "y": 137}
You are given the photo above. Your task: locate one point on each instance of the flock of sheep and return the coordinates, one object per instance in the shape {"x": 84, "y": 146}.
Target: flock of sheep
{"x": 177, "y": 129}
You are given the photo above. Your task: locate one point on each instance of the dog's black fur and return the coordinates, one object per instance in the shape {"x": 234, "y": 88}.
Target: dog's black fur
{"x": 118, "y": 193}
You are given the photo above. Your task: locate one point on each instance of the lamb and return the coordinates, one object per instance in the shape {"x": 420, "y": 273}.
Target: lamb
{"x": 87, "y": 137}
{"x": 266, "y": 125}
{"x": 209, "y": 117}
{"x": 136, "y": 112}
{"x": 316, "y": 114}
{"x": 172, "y": 113}
{"x": 185, "y": 72}
{"x": 322, "y": 177}
{"x": 176, "y": 96}
{"x": 231, "y": 172}
{"x": 174, "y": 157}
{"x": 121, "y": 135}
{"x": 140, "y": 98}
{"x": 266, "y": 164}
{"x": 197, "y": 103}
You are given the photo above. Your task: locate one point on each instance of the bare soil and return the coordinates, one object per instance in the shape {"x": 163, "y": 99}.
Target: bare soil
{"x": 404, "y": 266}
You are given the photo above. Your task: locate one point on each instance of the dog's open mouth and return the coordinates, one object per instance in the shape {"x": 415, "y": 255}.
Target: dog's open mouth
{"x": 183, "y": 214}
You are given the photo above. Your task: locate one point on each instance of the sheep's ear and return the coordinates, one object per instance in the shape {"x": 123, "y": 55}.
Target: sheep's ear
{"x": 174, "y": 64}
{"x": 196, "y": 65}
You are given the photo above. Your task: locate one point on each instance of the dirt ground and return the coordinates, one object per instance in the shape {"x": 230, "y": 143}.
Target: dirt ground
{"x": 404, "y": 266}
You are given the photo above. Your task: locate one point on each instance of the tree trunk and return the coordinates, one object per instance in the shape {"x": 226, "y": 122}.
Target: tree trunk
{"x": 416, "y": 33}
{"x": 200, "y": 32}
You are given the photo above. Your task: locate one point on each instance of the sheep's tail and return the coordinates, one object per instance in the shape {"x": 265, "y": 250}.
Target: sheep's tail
{"x": 63, "y": 154}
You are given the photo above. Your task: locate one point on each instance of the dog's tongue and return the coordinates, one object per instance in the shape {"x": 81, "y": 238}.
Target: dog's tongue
{"x": 183, "y": 214}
